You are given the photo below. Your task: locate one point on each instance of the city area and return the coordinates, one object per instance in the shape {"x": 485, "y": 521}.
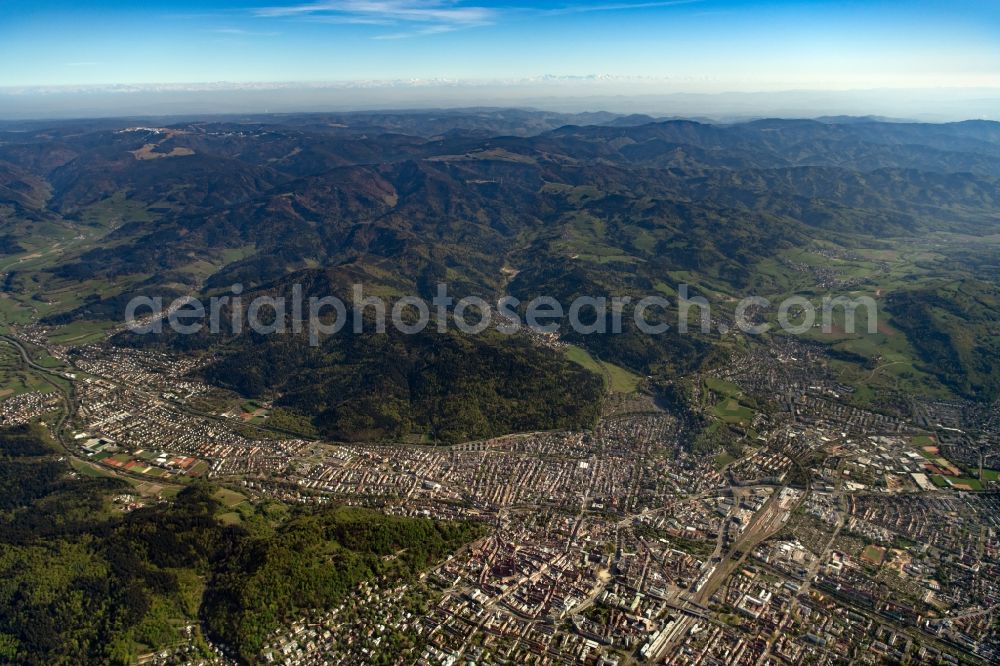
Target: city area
{"x": 832, "y": 535}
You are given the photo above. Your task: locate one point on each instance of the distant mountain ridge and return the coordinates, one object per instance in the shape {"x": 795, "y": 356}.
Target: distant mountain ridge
{"x": 399, "y": 201}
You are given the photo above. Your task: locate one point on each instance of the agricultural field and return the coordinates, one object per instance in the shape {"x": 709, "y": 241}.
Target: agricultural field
{"x": 15, "y": 378}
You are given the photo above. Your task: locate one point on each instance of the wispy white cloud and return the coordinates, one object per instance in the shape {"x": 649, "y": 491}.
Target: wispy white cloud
{"x": 430, "y": 17}
{"x": 348, "y": 20}
{"x": 240, "y": 32}
{"x": 582, "y": 8}
{"x": 439, "y": 12}
{"x": 413, "y": 17}
{"x": 428, "y": 30}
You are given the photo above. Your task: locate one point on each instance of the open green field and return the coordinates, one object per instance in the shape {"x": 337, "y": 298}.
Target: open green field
{"x": 15, "y": 378}
{"x": 229, "y": 498}
{"x": 959, "y": 483}
{"x": 723, "y": 387}
{"x": 230, "y": 518}
{"x": 726, "y": 402}
{"x": 81, "y": 332}
{"x": 731, "y": 411}
{"x": 873, "y": 554}
{"x": 144, "y": 488}
{"x": 91, "y": 469}
{"x": 723, "y": 459}
{"x": 617, "y": 378}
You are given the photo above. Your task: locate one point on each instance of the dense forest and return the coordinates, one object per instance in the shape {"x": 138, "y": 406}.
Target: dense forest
{"x": 446, "y": 387}
{"x": 82, "y": 583}
{"x": 440, "y": 387}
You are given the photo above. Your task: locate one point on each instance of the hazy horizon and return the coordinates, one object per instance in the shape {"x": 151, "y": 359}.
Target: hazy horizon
{"x": 551, "y": 94}
{"x": 914, "y": 59}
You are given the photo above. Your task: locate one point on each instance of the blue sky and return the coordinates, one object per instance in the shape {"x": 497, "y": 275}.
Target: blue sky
{"x": 685, "y": 45}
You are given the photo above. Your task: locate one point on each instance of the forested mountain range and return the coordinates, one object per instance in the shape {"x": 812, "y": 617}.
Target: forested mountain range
{"x": 491, "y": 202}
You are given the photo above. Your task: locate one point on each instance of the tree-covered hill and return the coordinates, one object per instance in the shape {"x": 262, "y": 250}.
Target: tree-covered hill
{"x": 82, "y": 583}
